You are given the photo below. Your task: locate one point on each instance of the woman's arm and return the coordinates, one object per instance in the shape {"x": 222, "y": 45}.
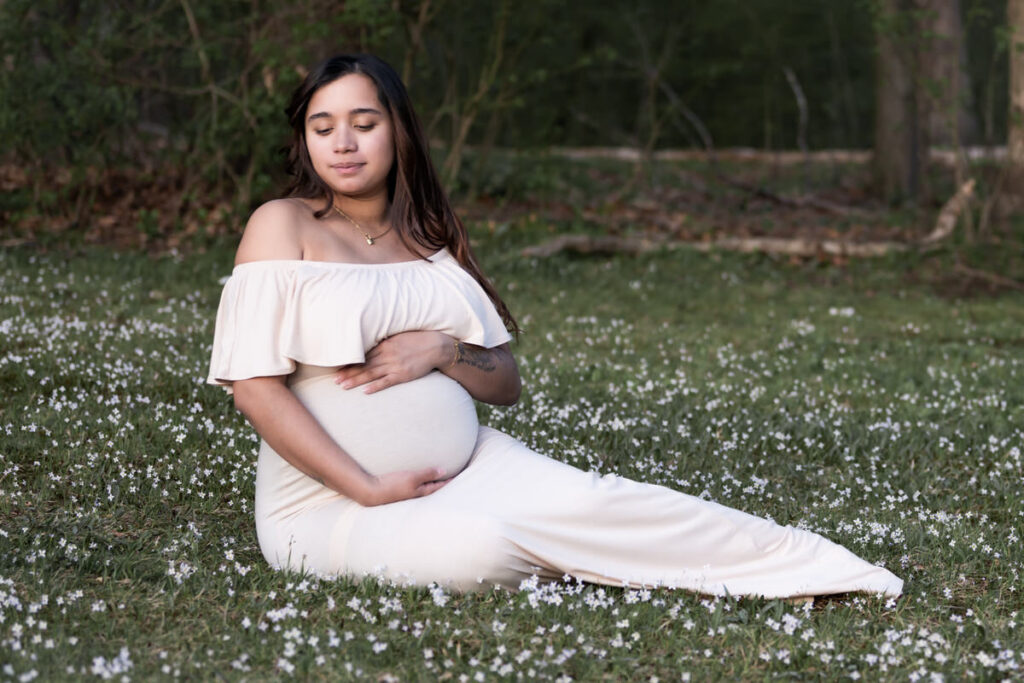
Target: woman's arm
{"x": 489, "y": 375}
{"x": 296, "y": 436}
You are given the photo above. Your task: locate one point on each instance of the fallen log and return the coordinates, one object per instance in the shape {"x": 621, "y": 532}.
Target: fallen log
{"x": 802, "y": 247}
{"x": 612, "y": 244}
{"x": 994, "y": 278}
{"x": 787, "y": 246}
{"x": 598, "y": 244}
{"x": 792, "y": 202}
{"x": 13, "y": 242}
{"x": 946, "y": 157}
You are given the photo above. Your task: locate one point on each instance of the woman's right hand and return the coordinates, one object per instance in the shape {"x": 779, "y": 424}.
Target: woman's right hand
{"x": 396, "y": 486}
{"x": 292, "y": 431}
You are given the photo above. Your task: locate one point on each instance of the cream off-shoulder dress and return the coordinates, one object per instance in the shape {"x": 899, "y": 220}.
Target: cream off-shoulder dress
{"x": 509, "y": 513}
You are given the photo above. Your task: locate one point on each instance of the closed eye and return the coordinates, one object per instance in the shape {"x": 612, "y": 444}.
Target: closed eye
{"x": 324, "y": 131}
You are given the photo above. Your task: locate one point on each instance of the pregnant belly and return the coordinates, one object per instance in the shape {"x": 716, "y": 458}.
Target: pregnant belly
{"x": 428, "y": 422}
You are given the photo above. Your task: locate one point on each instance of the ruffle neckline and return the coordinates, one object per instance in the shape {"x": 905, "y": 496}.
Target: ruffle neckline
{"x": 275, "y": 314}
{"x": 437, "y": 256}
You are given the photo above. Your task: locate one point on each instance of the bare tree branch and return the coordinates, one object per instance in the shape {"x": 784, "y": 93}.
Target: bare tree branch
{"x": 949, "y": 213}
{"x": 801, "y": 103}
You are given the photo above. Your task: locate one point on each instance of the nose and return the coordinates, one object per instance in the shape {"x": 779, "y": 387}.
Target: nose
{"x": 345, "y": 139}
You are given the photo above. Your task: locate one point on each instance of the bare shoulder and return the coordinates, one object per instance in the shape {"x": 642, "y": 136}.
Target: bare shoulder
{"x": 273, "y": 232}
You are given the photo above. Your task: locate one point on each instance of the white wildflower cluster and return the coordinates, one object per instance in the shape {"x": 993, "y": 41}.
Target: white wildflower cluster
{"x": 803, "y": 327}
{"x": 109, "y": 668}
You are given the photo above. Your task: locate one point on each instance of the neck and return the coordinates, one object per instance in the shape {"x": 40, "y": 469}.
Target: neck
{"x": 369, "y": 212}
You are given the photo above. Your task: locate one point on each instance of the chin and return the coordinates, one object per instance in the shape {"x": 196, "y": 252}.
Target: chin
{"x": 358, "y": 190}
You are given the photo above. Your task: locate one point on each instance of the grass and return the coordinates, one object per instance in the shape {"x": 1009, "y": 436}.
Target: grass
{"x": 852, "y": 401}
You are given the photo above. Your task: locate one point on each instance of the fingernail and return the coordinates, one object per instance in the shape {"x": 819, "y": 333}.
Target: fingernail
{"x": 346, "y": 385}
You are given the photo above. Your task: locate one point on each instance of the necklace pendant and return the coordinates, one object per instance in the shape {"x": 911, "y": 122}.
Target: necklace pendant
{"x": 369, "y": 240}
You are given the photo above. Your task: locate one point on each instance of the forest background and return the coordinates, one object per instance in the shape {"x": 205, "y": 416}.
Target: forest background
{"x": 878, "y": 401}
{"x": 159, "y": 123}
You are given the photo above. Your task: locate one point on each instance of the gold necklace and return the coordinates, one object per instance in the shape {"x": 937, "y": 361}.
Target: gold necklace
{"x": 369, "y": 239}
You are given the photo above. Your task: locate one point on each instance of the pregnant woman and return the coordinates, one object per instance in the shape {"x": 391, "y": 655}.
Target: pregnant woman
{"x": 356, "y": 330}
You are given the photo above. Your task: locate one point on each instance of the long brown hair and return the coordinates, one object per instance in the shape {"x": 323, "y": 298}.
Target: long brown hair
{"x": 418, "y": 207}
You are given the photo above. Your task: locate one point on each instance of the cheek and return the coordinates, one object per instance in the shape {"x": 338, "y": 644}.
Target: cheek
{"x": 314, "y": 147}
{"x": 384, "y": 149}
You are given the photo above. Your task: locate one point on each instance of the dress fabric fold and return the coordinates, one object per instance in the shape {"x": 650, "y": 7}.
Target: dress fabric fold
{"x": 510, "y": 513}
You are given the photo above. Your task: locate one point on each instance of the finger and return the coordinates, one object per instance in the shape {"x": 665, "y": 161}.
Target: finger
{"x": 352, "y": 379}
{"x": 380, "y": 384}
{"x": 436, "y": 473}
{"x": 433, "y": 485}
{"x": 427, "y": 489}
{"x": 346, "y": 371}
{"x": 367, "y": 374}
{"x": 427, "y": 475}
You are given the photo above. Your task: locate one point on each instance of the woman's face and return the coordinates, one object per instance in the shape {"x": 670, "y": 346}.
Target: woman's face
{"x": 348, "y": 136}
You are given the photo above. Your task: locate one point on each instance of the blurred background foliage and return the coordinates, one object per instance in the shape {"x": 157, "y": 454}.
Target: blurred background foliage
{"x": 168, "y": 113}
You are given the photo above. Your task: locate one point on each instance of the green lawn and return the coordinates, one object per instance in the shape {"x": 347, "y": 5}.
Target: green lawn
{"x": 852, "y": 401}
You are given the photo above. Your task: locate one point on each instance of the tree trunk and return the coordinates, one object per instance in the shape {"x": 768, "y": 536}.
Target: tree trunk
{"x": 900, "y": 138}
{"x": 415, "y": 22}
{"x": 951, "y": 122}
{"x": 465, "y": 114}
{"x": 912, "y": 38}
{"x": 1015, "y": 20}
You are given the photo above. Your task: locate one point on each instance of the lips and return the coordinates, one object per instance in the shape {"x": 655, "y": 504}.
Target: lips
{"x": 347, "y": 168}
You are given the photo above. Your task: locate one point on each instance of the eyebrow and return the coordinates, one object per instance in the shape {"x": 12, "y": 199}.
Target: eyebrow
{"x": 361, "y": 110}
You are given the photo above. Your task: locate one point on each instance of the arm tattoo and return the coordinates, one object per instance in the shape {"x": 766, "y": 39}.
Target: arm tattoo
{"x": 476, "y": 357}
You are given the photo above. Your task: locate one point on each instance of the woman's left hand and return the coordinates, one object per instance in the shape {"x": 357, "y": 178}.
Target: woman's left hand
{"x": 402, "y": 358}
